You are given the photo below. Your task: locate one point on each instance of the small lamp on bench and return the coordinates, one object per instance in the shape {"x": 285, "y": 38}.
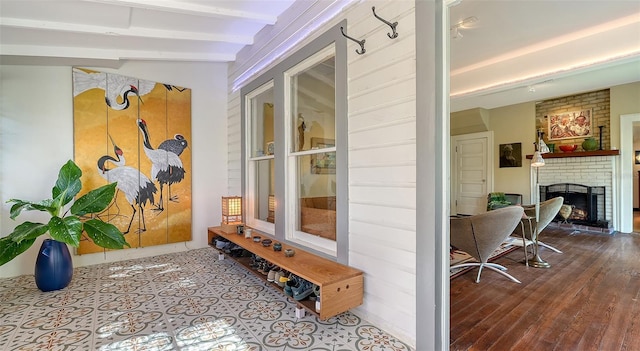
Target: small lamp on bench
{"x": 231, "y": 213}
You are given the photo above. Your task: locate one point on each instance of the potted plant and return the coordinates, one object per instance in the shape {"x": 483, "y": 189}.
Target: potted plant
{"x": 66, "y": 226}
{"x": 497, "y": 200}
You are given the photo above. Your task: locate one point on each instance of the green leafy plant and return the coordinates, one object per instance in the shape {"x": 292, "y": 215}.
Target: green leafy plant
{"x": 497, "y": 200}
{"x": 67, "y": 228}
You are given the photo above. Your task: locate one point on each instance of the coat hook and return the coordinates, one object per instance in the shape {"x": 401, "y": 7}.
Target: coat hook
{"x": 392, "y": 25}
{"x": 361, "y": 42}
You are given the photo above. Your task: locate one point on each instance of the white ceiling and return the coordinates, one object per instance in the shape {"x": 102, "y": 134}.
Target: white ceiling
{"x": 117, "y": 30}
{"x": 556, "y": 47}
{"x": 559, "y": 47}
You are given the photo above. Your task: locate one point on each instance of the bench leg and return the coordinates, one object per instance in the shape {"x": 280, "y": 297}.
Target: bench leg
{"x": 300, "y": 312}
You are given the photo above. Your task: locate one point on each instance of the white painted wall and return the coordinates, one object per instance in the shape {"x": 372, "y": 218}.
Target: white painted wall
{"x": 382, "y": 149}
{"x": 624, "y": 100}
{"x": 36, "y": 138}
{"x": 636, "y": 168}
{"x": 505, "y": 131}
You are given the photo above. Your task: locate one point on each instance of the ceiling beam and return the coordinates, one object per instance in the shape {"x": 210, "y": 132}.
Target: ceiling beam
{"x": 143, "y": 33}
{"x": 107, "y": 54}
{"x": 192, "y": 9}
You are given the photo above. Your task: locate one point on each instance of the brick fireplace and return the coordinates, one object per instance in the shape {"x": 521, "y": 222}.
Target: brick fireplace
{"x": 587, "y": 202}
{"x": 589, "y": 169}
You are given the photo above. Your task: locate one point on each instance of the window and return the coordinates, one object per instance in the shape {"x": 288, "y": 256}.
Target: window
{"x": 260, "y": 166}
{"x": 310, "y": 101}
{"x": 295, "y": 168}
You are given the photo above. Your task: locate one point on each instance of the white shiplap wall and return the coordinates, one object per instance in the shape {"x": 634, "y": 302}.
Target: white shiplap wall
{"x": 234, "y": 133}
{"x": 382, "y": 159}
{"x": 382, "y": 148}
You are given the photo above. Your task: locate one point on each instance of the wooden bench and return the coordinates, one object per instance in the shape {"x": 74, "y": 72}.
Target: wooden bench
{"x": 341, "y": 287}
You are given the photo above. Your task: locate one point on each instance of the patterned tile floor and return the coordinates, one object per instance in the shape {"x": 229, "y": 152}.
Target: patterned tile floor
{"x": 183, "y": 301}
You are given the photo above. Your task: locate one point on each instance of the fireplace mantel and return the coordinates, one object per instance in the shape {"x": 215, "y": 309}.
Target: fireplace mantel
{"x": 580, "y": 154}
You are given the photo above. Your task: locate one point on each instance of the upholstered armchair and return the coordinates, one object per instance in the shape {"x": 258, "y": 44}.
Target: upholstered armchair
{"x": 548, "y": 211}
{"x": 482, "y": 234}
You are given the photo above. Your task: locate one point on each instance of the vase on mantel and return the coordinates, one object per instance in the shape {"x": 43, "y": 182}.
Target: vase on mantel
{"x": 590, "y": 144}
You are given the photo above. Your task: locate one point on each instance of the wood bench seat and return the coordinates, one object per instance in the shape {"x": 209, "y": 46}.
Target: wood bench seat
{"x": 341, "y": 286}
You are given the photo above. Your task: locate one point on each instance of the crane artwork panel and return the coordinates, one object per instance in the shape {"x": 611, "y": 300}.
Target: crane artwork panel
{"x": 135, "y": 132}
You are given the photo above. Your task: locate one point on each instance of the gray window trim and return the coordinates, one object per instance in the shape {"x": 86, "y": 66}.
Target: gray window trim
{"x": 276, "y": 74}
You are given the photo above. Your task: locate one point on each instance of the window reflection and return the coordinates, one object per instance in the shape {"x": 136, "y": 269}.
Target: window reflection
{"x": 261, "y": 150}
{"x": 312, "y": 103}
{"x": 261, "y": 123}
{"x": 317, "y": 199}
{"x": 264, "y": 190}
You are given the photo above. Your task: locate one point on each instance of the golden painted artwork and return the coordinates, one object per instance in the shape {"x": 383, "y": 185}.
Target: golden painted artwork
{"x": 136, "y": 133}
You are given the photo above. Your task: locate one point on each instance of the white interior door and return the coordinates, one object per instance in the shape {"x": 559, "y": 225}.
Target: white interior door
{"x": 472, "y": 172}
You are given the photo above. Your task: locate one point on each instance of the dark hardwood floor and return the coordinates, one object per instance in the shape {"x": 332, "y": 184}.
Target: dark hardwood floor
{"x": 588, "y": 300}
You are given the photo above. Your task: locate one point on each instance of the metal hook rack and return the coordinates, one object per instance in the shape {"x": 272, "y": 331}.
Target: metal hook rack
{"x": 361, "y": 42}
{"x": 392, "y": 25}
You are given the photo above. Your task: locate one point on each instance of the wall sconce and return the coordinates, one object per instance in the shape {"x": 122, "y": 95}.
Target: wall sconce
{"x": 231, "y": 213}
{"x": 464, "y": 24}
{"x": 537, "y": 160}
{"x": 541, "y": 148}
{"x": 456, "y": 33}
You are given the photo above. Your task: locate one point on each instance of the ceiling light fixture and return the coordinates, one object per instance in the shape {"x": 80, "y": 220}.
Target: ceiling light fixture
{"x": 457, "y": 34}
{"x": 464, "y": 24}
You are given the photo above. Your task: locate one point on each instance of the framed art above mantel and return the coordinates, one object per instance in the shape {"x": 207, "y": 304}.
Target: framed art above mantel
{"x": 570, "y": 125}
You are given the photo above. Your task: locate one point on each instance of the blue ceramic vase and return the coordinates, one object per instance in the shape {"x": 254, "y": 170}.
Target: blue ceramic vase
{"x": 54, "y": 267}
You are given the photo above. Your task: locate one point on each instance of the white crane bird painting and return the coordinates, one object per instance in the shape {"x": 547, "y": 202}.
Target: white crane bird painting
{"x": 137, "y": 188}
{"x": 152, "y": 123}
{"x": 117, "y": 88}
{"x": 166, "y": 166}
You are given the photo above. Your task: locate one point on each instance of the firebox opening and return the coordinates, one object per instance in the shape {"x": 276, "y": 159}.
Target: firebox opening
{"x": 588, "y": 202}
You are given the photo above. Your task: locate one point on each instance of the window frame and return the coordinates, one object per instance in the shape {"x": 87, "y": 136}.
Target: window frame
{"x": 285, "y": 199}
{"x": 292, "y": 234}
{"x": 252, "y": 161}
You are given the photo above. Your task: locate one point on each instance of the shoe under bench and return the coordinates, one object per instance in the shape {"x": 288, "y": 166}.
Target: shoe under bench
{"x": 341, "y": 286}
